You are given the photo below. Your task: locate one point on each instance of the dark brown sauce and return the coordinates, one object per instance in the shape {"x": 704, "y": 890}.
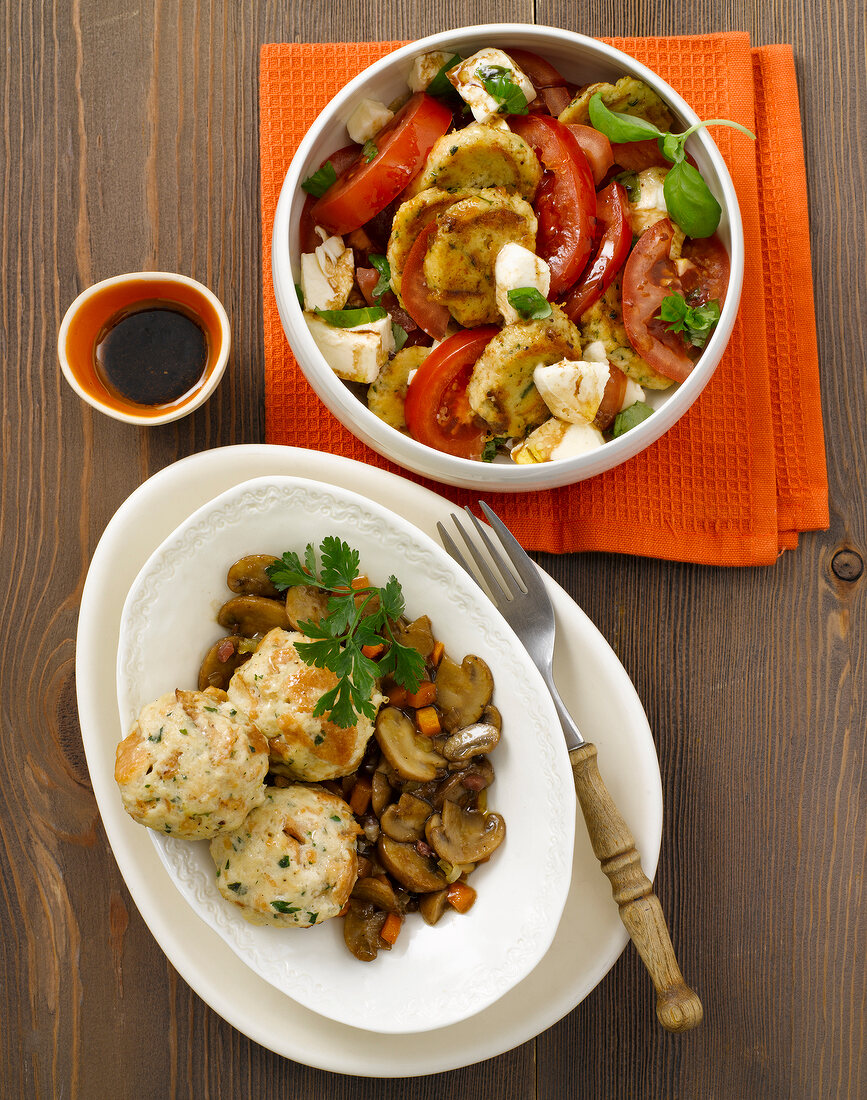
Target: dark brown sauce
{"x": 151, "y": 354}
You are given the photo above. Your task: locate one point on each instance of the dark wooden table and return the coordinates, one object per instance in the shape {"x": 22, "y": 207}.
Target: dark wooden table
{"x": 130, "y": 141}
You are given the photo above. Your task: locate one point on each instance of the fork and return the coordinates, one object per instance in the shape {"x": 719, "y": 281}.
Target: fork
{"x": 523, "y": 601}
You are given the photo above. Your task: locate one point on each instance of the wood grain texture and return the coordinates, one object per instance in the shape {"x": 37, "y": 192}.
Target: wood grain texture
{"x": 129, "y": 140}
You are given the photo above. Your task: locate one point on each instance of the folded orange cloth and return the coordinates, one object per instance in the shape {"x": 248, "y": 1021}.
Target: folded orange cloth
{"x": 736, "y": 479}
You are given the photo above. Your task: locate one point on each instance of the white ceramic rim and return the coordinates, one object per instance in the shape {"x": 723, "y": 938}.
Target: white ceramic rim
{"x": 532, "y": 926}
{"x": 247, "y": 1002}
{"x": 414, "y": 456}
{"x": 196, "y": 399}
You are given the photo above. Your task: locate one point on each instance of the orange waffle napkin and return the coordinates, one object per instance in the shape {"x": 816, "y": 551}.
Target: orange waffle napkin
{"x": 736, "y": 479}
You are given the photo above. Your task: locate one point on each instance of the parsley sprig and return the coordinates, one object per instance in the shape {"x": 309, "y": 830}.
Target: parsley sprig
{"x": 356, "y": 617}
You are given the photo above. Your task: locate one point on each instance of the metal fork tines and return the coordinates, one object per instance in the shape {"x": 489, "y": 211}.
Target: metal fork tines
{"x": 519, "y": 594}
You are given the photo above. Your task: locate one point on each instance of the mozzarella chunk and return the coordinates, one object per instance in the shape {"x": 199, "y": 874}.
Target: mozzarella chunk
{"x": 327, "y": 275}
{"x": 516, "y": 267}
{"x": 354, "y": 354}
{"x": 649, "y": 208}
{"x": 595, "y": 352}
{"x": 424, "y": 68}
{"x": 631, "y": 394}
{"x": 556, "y": 439}
{"x": 367, "y": 120}
{"x": 468, "y": 83}
{"x": 572, "y": 391}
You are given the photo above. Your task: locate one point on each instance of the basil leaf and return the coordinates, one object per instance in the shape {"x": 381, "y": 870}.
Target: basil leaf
{"x": 320, "y": 181}
{"x": 531, "y": 305}
{"x": 689, "y": 201}
{"x": 630, "y": 418}
{"x": 672, "y": 147}
{"x": 349, "y": 318}
{"x": 369, "y": 151}
{"x": 695, "y": 322}
{"x": 400, "y": 335}
{"x": 498, "y": 83}
{"x": 384, "y": 268}
{"x": 491, "y": 447}
{"x": 441, "y": 85}
{"x": 617, "y": 126}
{"x": 300, "y": 294}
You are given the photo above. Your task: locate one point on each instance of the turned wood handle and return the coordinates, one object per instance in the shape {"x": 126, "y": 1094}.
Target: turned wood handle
{"x": 677, "y": 1006}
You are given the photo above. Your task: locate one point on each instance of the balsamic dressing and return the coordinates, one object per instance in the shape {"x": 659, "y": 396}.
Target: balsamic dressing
{"x": 152, "y": 354}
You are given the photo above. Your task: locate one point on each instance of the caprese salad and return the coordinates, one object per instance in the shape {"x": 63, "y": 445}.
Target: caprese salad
{"x": 504, "y": 264}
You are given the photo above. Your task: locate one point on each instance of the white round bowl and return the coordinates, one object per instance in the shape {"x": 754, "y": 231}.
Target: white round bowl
{"x": 581, "y": 60}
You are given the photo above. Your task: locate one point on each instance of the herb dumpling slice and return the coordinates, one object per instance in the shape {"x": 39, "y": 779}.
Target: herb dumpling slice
{"x": 192, "y": 765}
{"x": 279, "y": 692}
{"x": 293, "y": 862}
{"x": 501, "y": 388}
{"x": 480, "y": 156}
{"x": 628, "y": 96}
{"x": 411, "y": 218}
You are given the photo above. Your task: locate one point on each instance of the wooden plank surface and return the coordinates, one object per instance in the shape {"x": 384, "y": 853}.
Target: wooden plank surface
{"x": 129, "y": 141}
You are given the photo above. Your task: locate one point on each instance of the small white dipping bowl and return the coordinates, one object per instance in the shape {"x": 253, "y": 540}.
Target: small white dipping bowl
{"x": 581, "y": 60}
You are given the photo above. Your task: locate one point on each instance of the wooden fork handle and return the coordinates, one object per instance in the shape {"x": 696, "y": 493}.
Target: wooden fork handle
{"x": 677, "y": 1006}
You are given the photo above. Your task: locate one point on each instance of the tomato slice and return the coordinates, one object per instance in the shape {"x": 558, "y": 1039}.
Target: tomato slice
{"x": 566, "y": 201}
{"x": 612, "y": 209}
{"x": 707, "y": 280}
{"x": 612, "y": 398}
{"x": 340, "y": 161}
{"x": 597, "y": 149}
{"x": 438, "y": 413}
{"x": 648, "y": 277}
{"x": 365, "y": 187}
{"x": 635, "y": 156}
{"x": 428, "y": 314}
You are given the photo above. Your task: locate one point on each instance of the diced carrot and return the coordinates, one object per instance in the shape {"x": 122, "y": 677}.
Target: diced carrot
{"x": 361, "y": 582}
{"x": 359, "y": 800}
{"x": 461, "y": 896}
{"x": 397, "y": 696}
{"x": 373, "y": 651}
{"x": 391, "y": 928}
{"x": 426, "y": 694}
{"x": 428, "y": 721}
{"x": 437, "y": 654}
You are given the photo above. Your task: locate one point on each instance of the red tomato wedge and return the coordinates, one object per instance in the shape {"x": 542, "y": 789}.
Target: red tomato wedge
{"x": 438, "y": 413}
{"x": 428, "y": 314}
{"x": 597, "y": 149}
{"x": 365, "y": 187}
{"x": 612, "y": 398}
{"x": 542, "y": 73}
{"x": 612, "y": 209}
{"x": 340, "y": 161}
{"x": 648, "y": 277}
{"x": 566, "y": 200}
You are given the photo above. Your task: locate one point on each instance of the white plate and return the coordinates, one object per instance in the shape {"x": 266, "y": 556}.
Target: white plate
{"x": 593, "y": 683}
{"x": 434, "y": 976}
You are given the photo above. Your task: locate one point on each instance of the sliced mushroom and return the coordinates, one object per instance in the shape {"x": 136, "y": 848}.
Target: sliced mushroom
{"x": 361, "y": 928}
{"x": 411, "y": 869}
{"x": 220, "y": 662}
{"x": 464, "y": 836}
{"x": 432, "y": 906}
{"x": 247, "y": 576}
{"x": 252, "y": 616}
{"x": 404, "y": 820}
{"x": 474, "y": 740}
{"x": 418, "y": 635}
{"x": 381, "y": 792}
{"x": 493, "y": 717}
{"x": 410, "y": 754}
{"x": 463, "y": 691}
{"x": 305, "y": 603}
{"x": 376, "y": 892}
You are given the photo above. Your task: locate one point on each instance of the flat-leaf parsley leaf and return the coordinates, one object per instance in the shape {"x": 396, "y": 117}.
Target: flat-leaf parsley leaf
{"x": 356, "y": 617}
